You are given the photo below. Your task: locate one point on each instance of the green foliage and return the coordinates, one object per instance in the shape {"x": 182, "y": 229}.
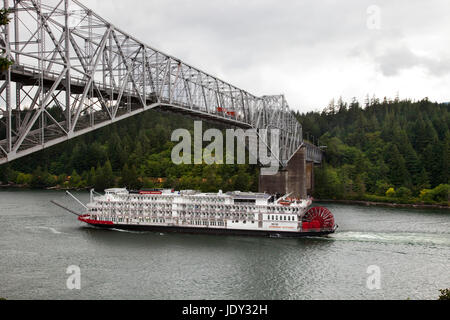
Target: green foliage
{"x": 445, "y": 294}
{"x": 130, "y": 179}
{"x": 6, "y": 174}
{"x": 134, "y": 153}
{"x": 42, "y": 178}
{"x": 382, "y": 187}
{"x": 328, "y": 183}
{"x": 104, "y": 177}
{"x": 5, "y": 63}
{"x": 75, "y": 181}
{"x": 402, "y": 145}
{"x": 4, "y": 17}
{"x": 390, "y": 193}
{"x": 439, "y": 194}
{"x": 241, "y": 180}
{"x": 24, "y": 179}
{"x": 403, "y": 193}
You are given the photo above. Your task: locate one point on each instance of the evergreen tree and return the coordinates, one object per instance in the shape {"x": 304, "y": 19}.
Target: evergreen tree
{"x": 91, "y": 178}
{"x": 130, "y": 179}
{"x": 397, "y": 169}
{"x": 369, "y": 150}
{"x": 446, "y": 160}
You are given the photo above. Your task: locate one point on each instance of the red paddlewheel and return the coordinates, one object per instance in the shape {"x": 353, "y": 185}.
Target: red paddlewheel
{"x": 320, "y": 216}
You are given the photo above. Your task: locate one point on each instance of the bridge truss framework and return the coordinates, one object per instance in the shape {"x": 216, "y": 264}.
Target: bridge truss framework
{"x": 74, "y": 72}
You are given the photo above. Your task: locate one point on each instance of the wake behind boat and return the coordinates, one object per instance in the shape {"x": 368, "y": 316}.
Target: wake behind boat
{"x": 242, "y": 213}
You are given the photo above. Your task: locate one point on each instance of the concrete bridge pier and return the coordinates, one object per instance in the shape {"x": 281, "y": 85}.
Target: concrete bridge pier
{"x": 297, "y": 178}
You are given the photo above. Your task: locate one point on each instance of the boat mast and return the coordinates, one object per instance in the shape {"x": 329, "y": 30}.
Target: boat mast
{"x": 67, "y": 192}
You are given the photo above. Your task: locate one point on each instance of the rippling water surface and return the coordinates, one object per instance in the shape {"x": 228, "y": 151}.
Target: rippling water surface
{"x": 39, "y": 241}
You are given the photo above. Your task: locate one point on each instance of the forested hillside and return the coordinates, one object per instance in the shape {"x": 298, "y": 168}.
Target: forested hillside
{"x": 393, "y": 151}
{"x": 383, "y": 151}
{"x": 133, "y": 153}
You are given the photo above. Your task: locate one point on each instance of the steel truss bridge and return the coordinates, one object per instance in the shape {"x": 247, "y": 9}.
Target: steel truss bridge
{"x": 74, "y": 72}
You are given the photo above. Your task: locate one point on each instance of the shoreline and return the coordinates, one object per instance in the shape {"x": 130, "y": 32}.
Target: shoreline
{"x": 385, "y": 204}
{"x": 349, "y": 202}
{"x": 26, "y": 187}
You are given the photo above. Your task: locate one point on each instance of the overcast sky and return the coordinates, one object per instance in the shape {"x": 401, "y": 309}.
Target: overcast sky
{"x": 312, "y": 51}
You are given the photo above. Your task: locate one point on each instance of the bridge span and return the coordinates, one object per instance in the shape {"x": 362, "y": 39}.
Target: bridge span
{"x": 74, "y": 72}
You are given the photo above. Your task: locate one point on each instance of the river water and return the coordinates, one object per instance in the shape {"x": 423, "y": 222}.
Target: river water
{"x": 38, "y": 242}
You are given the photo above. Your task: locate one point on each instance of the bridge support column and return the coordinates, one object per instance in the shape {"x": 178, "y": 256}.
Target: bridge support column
{"x": 293, "y": 179}
{"x": 309, "y": 178}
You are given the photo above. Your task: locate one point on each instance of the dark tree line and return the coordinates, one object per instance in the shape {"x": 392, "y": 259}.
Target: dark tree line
{"x": 382, "y": 151}
{"x": 133, "y": 153}
{"x": 390, "y": 149}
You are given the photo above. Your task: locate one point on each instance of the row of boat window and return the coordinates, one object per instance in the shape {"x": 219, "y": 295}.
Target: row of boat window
{"x": 217, "y": 223}
{"x": 142, "y": 198}
{"x": 184, "y": 214}
{"x": 195, "y": 222}
{"x": 133, "y": 205}
{"x": 241, "y": 217}
{"x": 223, "y": 215}
{"x": 201, "y": 200}
{"x": 244, "y": 222}
{"x": 231, "y": 207}
{"x": 115, "y": 219}
{"x": 206, "y": 223}
{"x": 282, "y": 218}
{"x": 205, "y": 208}
{"x": 207, "y": 214}
{"x": 170, "y": 198}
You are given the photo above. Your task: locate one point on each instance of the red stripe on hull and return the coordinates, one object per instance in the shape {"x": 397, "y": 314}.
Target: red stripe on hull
{"x": 85, "y": 218}
{"x": 196, "y": 230}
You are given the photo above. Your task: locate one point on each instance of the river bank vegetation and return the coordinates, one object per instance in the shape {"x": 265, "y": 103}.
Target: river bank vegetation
{"x": 134, "y": 153}
{"x": 389, "y": 151}
{"x": 383, "y": 151}
{"x": 445, "y": 294}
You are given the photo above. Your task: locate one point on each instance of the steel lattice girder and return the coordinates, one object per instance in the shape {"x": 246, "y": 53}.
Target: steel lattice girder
{"x": 74, "y": 72}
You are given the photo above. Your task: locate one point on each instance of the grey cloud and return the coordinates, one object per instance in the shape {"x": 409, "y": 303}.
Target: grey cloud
{"x": 264, "y": 46}
{"x": 393, "y": 61}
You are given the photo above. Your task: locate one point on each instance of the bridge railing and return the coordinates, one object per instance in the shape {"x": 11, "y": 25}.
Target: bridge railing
{"x": 66, "y": 55}
{"x": 313, "y": 153}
